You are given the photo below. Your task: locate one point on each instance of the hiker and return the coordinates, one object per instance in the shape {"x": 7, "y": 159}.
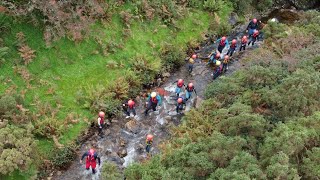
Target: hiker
{"x": 254, "y": 37}
{"x": 180, "y": 84}
{"x": 253, "y": 25}
{"x": 149, "y": 142}
{"x": 191, "y": 62}
{"x": 130, "y": 108}
{"x": 222, "y": 43}
{"x": 189, "y": 90}
{"x": 225, "y": 63}
{"x": 180, "y": 103}
{"x": 101, "y": 122}
{"x": 213, "y": 57}
{"x": 91, "y": 157}
{"x": 244, "y": 42}
{"x": 218, "y": 70}
{"x": 153, "y": 101}
{"x": 232, "y": 48}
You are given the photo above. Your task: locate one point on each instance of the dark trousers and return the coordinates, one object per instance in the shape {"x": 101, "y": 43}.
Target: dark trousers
{"x": 148, "y": 148}
{"x": 220, "y": 48}
{"x": 190, "y": 67}
{"x": 243, "y": 46}
{"x": 131, "y": 110}
{"x": 150, "y": 106}
{"x": 216, "y": 74}
{"x": 224, "y": 67}
{"x": 230, "y": 51}
{"x": 252, "y": 40}
{"x": 100, "y": 133}
{"x": 179, "y": 107}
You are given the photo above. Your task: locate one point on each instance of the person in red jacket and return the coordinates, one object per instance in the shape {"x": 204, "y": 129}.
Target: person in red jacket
{"x": 91, "y": 157}
{"x": 232, "y": 48}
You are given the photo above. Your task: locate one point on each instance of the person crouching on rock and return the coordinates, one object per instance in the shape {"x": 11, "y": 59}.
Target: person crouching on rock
{"x": 91, "y": 157}
{"x": 130, "y": 108}
{"x": 180, "y": 103}
{"x": 153, "y": 101}
{"x": 149, "y": 142}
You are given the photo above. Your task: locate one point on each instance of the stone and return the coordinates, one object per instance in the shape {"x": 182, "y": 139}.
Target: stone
{"x": 122, "y": 152}
{"x": 132, "y": 126}
{"x": 122, "y": 160}
{"x": 114, "y": 121}
{"x": 59, "y": 173}
{"x": 140, "y": 148}
{"x": 168, "y": 118}
{"x": 107, "y": 132}
{"x": 122, "y": 142}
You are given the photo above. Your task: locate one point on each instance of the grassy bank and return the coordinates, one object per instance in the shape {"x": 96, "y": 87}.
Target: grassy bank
{"x": 57, "y": 73}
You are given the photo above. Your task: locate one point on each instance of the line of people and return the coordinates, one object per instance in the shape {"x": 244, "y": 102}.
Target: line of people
{"x": 154, "y": 100}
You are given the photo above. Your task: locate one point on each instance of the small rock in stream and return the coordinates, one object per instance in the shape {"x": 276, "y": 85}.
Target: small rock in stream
{"x": 122, "y": 142}
{"x": 122, "y": 152}
{"x": 132, "y": 126}
{"x": 168, "y": 118}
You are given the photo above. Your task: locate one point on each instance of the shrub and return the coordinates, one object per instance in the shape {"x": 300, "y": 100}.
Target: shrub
{"x": 49, "y": 127}
{"x": 311, "y": 164}
{"x": 3, "y": 53}
{"x": 62, "y": 158}
{"x": 110, "y": 171}
{"x": 241, "y": 6}
{"x": 17, "y": 148}
{"x": 213, "y": 5}
{"x": 172, "y": 57}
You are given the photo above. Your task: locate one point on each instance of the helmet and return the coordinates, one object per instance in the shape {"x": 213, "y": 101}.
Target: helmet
{"x": 180, "y": 81}
{"x": 244, "y": 38}
{"x": 255, "y": 31}
{"x": 234, "y": 41}
{"x": 218, "y": 63}
{"x": 101, "y": 114}
{"x": 194, "y": 56}
{"x": 153, "y": 94}
{"x": 218, "y": 55}
{"x": 223, "y": 38}
{"x": 91, "y": 151}
{"x": 254, "y": 20}
{"x": 130, "y": 102}
{"x": 190, "y": 85}
{"x": 226, "y": 57}
{"x": 149, "y": 137}
{"x": 180, "y": 100}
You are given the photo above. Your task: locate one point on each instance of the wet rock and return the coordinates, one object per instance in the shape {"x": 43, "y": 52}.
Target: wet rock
{"x": 132, "y": 126}
{"x": 114, "y": 121}
{"x": 156, "y": 112}
{"x": 233, "y": 19}
{"x": 140, "y": 148}
{"x": 107, "y": 132}
{"x": 122, "y": 160}
{"x": 122, "y": 142}
{"x": 59, "y": 173}
{"x": 168, "y": 118}
{"x": 108, "y": 152}
{"x": 122, "y": 152}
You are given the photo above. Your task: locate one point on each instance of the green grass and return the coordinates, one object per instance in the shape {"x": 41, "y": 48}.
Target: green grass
{"x": 68, "y": 67}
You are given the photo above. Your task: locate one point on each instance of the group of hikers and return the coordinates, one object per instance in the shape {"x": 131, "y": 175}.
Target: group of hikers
{"x": 154, "y": 99}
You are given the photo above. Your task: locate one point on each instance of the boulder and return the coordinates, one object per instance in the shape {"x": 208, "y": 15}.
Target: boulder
{"x": 168, "y": 118}
{"x": 166, "y": 74}
{"x": 132, "y": 126}
{"x": 122, "y": 152}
